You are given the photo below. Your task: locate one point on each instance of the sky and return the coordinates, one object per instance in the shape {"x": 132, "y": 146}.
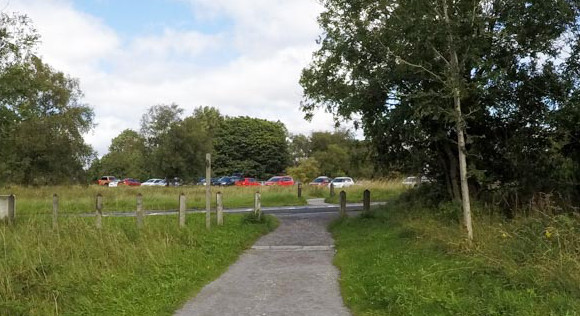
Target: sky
{"x": 243, "y": 57}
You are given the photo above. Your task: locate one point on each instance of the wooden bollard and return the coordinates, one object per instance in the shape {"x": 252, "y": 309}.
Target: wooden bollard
{"x": 331, "y": 189}
{"x": 181, "y": 210}
{"x": 220, "y": 209}
{"x": 99, "y": 212}
{"x": 139, "y": 213}
{"x": 366, "y": 201}
{"x": 342, "y": 211}
{"x": 55, "y": 212}
{"x": 207, "y": 190}
{"x": 257, "y": 205}
{"x": 299, "y": 190}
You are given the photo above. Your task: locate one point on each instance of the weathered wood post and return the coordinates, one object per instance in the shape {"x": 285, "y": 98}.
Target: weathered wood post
{"x": 220, "y": 209}
{"x": 7, "y": 208}
{"x": 55, "y": 211}
{"x": 207, "y": 190}
{"x": 331, "y": 189}
{"x": 299, "y": 190}
{"x": 367, "y": 201}
{"x": 257, "y": 205}
{"x": 99, "y": 212}
{"x": 342, "y": 203}
{"x": 181, "y": 210}
{"x": 139, "y": 213}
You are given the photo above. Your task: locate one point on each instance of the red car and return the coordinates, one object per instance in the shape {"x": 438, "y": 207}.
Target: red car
{"x": 247, "y": 182}
{"x": 281, "y": 180}
{"x": 129, "y": 182}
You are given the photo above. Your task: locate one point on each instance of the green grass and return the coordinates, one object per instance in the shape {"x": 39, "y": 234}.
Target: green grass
{"x": 380, "y": 191}
{"x": 403, "y": 260}
{"x": 119, "y": 270}
{"x": 81, "y": 199}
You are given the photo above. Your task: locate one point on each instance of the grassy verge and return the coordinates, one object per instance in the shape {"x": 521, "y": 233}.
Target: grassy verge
{"x": 81, "y": 199}
{"x": 119, "y": 270}
{"x": 404, "y": 260}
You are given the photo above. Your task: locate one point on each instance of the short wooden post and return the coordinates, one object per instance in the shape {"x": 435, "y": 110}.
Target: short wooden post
{"x": 367, "y": 201}
{"x": 331, "y": 189}
{"x": 139, "y": 213}
{"x": 99, "y": 212}
{"x": 181, "y": 210}
{"x": 55, "y": 211}
{"x": 342, "y": 203}
{"x": 11, "y": 209}
{"x": 299, "y": 190}
{"x": 207, "y": 190}
{"x": 257, "y": 205}
{"x": 220, "y": 209}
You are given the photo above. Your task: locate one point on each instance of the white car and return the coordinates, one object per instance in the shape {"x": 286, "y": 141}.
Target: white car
{"x": 114, "y": 184}
{"x": 341, "y": 182}
{"x": 412, "y": 181}
{"x": 154, "y": 182}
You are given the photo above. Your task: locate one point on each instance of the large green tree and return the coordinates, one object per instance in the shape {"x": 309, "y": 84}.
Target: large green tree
{"x": 127, "y": 157}
{"x": 251, "y": 146}
{"x": 435, "y": 81}
{"x": 42, "y": 117}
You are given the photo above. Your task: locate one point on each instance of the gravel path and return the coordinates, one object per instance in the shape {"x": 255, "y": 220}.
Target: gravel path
{"x": 287, "y": 272}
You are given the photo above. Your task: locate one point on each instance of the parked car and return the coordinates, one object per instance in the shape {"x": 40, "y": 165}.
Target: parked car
{"x": 280, "y": 180}
{"x": 105, "y": 180}
{"x": 342, "y": 182}
{"x": 130, "y": 182}
{"x": 228, "y": 180}
{"x": 412, "y": 181}
{"x": 114, "y": 183}
{"x": 321, "y": 181}
{"x": 154, "y": 182}
{"x": 247, "y": 182}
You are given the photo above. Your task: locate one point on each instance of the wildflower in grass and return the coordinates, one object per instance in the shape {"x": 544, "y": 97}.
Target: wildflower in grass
{"x": 549, "y": 232}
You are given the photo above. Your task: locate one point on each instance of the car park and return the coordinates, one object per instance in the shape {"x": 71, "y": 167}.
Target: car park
{"x": 280, "y": 180}
{"x": 321, "y": 181}
{"x": 342, "y": 182}
{"x": 248, "y": 182}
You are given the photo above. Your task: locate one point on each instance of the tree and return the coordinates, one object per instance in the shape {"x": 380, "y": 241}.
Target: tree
{"x": 42, "y": 118}
{"x": 157, "y": 121}
{"x": 306, "y": 170}
{"x": 252, "y": 146}
{"x": 434, "y": 80}
{"x": 127, "y": 156}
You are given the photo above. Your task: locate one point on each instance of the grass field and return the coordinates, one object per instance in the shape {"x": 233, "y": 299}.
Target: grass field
{"x": 119, "y": 270}
{"x": 81, "y": 199}
{"x": 407, "y": 260}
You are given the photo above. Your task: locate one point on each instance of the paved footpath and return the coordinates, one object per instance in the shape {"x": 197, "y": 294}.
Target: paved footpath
{"x": 287, "y": 272}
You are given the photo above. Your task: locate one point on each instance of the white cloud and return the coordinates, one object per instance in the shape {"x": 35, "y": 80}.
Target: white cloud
{"x": 269, "y": 42}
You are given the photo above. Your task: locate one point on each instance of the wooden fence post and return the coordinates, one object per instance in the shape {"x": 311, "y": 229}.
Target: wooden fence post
{"x": 257, "y": 205}
{"x": 139, "y": 213}
{"x": 331, "y": 189}
{"x": 207, "y": 190}
{"x": 299, "y": 190}
{"x": 220, "y": 209}
{"x": 55, "y": 211}
{"x": 11, "y": 209}
{"x": 181, "y": 210}
{"x": 342, "y": 203}
{"x": 99, "y": 212}
{"x": 367, "y": 201}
